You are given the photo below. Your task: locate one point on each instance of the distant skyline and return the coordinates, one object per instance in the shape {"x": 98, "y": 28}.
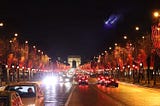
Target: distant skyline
{"x": 78, "y": 27}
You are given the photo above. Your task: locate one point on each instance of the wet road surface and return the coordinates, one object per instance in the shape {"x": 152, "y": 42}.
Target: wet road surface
{"x": 57, "y": 95}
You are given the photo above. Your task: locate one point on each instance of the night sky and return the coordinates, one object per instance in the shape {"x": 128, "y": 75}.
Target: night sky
{"x": 76, "y": 27}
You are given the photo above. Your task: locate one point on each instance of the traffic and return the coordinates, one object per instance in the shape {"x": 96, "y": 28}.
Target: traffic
{"x": 32, "y": 93}
{"x": 70, "y": 89}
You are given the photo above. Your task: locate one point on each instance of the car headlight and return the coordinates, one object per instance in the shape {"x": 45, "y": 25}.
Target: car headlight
{"x": 51, "y": 80}
{"x": 67, "y": 79}
{"x": 60, "y": 79}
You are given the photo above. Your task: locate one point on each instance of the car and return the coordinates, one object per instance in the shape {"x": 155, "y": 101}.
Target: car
{"x": 10, "y": 98}
{"x": 101, "y": 80}
{"x": 83, "y": 80}
{"x": 111, "y": 82}
{"x": 64, "y": 79}
{"x": 34, "y": 98}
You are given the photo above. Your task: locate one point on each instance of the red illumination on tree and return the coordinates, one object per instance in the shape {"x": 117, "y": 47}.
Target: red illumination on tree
{"x": 156, "y": 36}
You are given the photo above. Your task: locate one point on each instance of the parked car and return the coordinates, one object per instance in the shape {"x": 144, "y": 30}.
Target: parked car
{"x": 29, "y": 92}
{"x": 10, "y": 98}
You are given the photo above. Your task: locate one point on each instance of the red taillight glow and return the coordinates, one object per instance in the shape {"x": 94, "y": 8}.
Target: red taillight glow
{"x": 108, "y": 81}
{"x": 79, "y": 80}
{"x": 86, "y": 80}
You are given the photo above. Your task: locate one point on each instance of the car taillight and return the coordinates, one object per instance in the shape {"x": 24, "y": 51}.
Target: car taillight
{"x": 98, "y": 78}
{"x": 112, "y": 80}
{"x": 86, "y": 80}
{"x": 79, "y": 80}
{"x": 108, "y": 81}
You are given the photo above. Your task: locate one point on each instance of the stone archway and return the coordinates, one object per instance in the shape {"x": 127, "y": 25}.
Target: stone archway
{"x": 74, "y": 61}
{"x": 74, "y": 64}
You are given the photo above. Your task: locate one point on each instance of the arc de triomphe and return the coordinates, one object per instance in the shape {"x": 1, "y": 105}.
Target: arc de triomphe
{"x": 74, "y": 60}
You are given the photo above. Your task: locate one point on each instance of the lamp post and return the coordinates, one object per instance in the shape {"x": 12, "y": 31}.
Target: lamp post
{"x": 17, "y": 73}
{"x": 23, "y": 70}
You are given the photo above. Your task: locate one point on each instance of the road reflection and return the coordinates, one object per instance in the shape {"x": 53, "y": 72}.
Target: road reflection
{"x": 56, "y": 95}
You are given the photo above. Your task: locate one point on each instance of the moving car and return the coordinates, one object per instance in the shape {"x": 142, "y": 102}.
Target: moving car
{"x": 83, "y": 80}
{"x": 101, "y": 80}
{"x": 10, "y": 98}
{"x": 111, "y": 82}
{"x": 34, "y": 98}
{"x": 64, "y": 79}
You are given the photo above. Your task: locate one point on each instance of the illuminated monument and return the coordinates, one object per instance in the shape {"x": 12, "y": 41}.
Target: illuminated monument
{"x": 74, "y": 60}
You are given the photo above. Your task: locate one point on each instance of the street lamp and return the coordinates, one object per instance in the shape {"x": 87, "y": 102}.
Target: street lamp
{"x": 125, "y": 37}
{"x": 156, "y": 14}
{"x": 137, "y": 28}
{"x": 34, "y": 47}
{"x": 15, "y": 34}
{"x": 26, "y": 42}
{"x": 1, "y": 24}
{"x": 115, "y": 44}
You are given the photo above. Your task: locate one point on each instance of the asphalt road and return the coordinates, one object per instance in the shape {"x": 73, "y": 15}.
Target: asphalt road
{"x": 57, "y": 95}
{"x": 72, "y": 94}
{"x": 124, "y": 95}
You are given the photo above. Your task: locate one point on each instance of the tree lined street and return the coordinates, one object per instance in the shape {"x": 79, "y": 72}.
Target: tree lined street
{"x": 80, "y": 53}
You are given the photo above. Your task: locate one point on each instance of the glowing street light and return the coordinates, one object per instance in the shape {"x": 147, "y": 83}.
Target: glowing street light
{"x": 34, "y": 47}
{"x": 15, "y": 34}
{"x": 6, "y": 66}
{"x": 10, "y": 41}
{"x": 125, "y": 37}
{"x": 102, "y": 54}
{"x": 115, "y": 44}
{"x": 141, "y": 64}
{"x": 137, "y": 28}
{"x": 1, "y": 24}
{"x": 156, "y": 14}
{"x": 26, "y": 42}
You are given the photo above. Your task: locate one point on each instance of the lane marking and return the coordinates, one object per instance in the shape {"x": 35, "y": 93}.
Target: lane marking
{"x": 67, "y": 102}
